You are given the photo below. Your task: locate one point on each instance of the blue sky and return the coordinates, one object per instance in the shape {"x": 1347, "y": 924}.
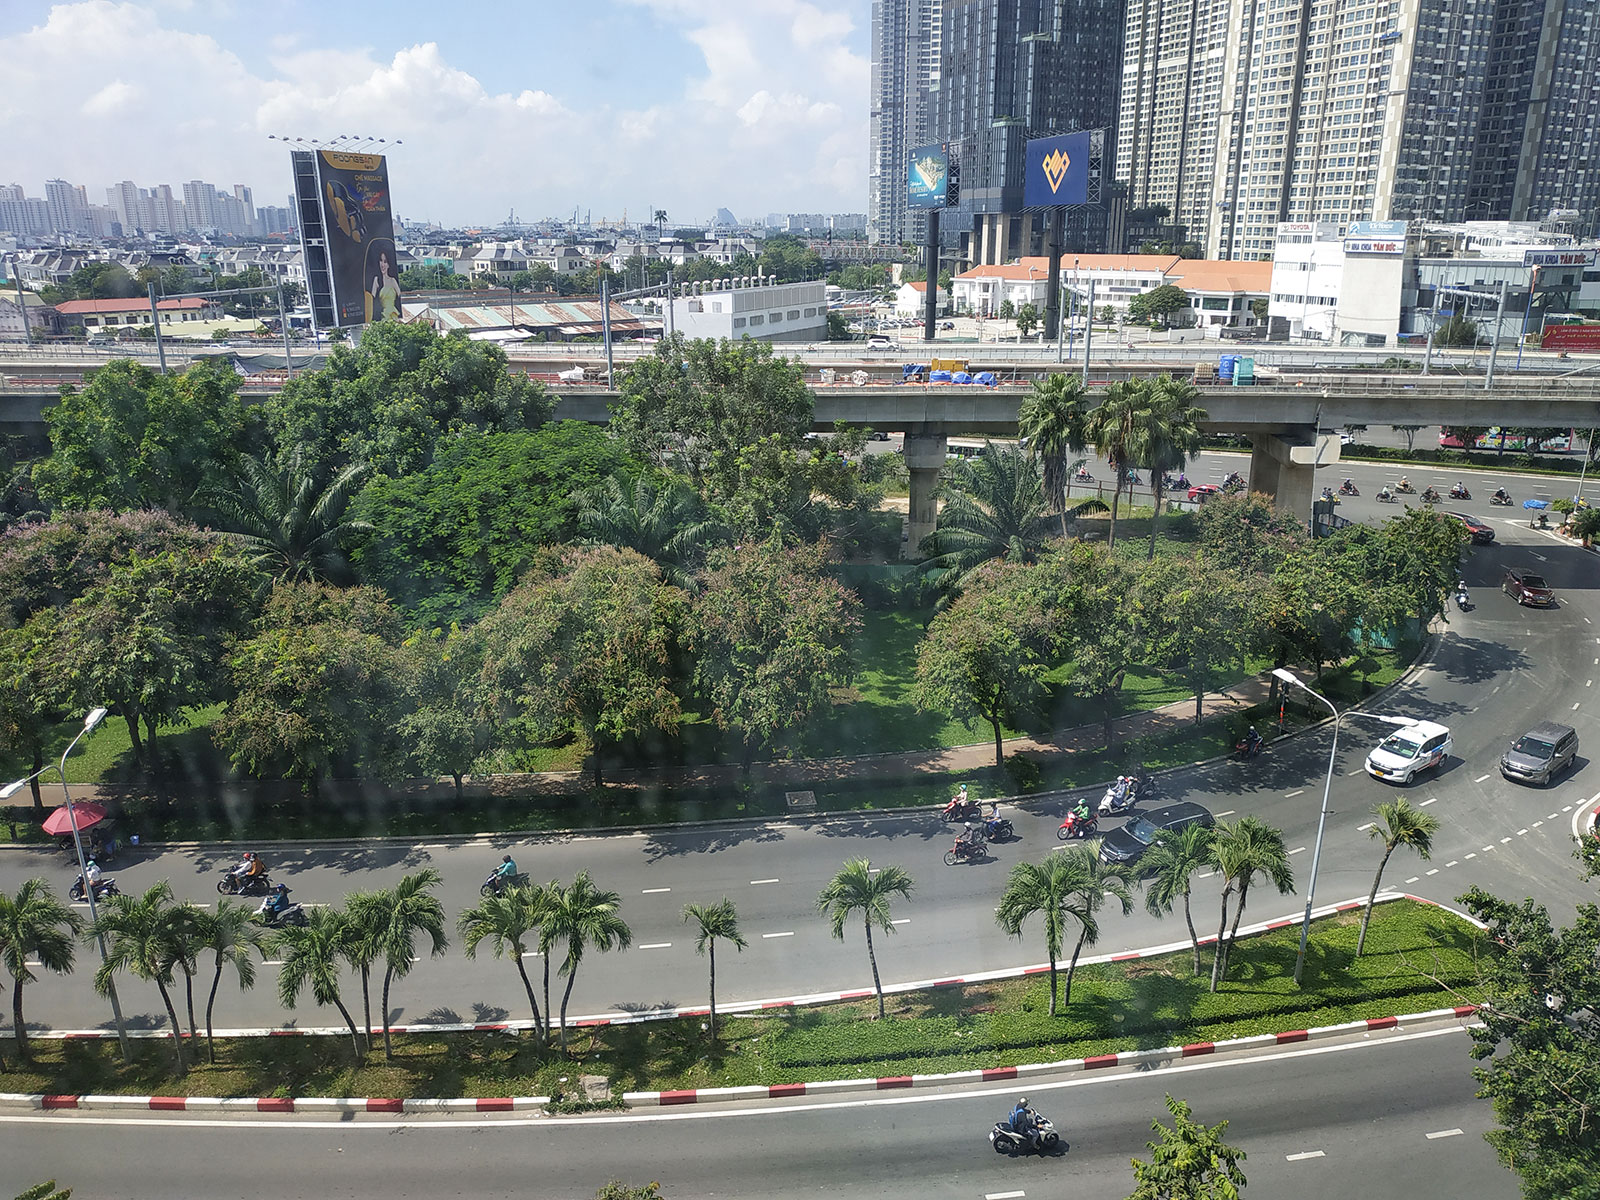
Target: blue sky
{"x": 756, "y": 105}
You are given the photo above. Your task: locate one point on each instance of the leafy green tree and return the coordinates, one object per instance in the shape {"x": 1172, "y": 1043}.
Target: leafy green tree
{"x": 1456, "y": 332}
{"x": 440, "y": 732}
{"x": 660, "y": 517}
{"x": 1398, "y": 825}
{"x": 584, "y": 645}
{"x": 505, "y": 921}
{"x": 859, "y": 888}
{"x": 1240, "y": 851}
{"x": 1168, "y": 868}
{"x": 410, "y": 910}
{"x": 700, "y": 406}
{"x": 583, "y": 916}
{"x": 1536, "y": 1039}
{"x": 317, "y": 687}
{"x": 452, "y": 539}
{"x": 133, "y": 438}
{"x": 313, "y": 956}
{"x": 1027, "y": 319}
{"x": 30, "y": 701}
{"x": 1158, "y": 304}
{"x": 1247, "y": 534}
{"x": 34, "y": 925}
{"x": 234, "y": 938}
{"x": 771, "y": 637}
{"x": 713, "y": 922}
{"x": 1415, "y": 562}
{"x": 402, "y": 396}
{"x": 994, "y": 508}
{"x": 1052, "y": 418}
{"x": 1008, "y": 310}
{"x": 138, "y": 935}
{"x": 1199, "y": 620}
{"x": 290, "y": 520}
{"x": 615, "y": 1189}
{"x": 1173, "y": 435}
{"x": 838, "y": 328}
{"x": 1189, "y": 1161}
{"x": 1319, "y": 597}
{"x": 1409, "y": 432}
{"x": 1083, "y": 599}
{"x": 979, "y": 658}
{"x": 102, "y": 281}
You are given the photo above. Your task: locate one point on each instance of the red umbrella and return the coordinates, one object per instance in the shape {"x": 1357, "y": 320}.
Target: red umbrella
{"x": 60, "y": 822}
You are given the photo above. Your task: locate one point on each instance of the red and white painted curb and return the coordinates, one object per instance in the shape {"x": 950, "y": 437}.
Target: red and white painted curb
{"x": 270, "y": 1104}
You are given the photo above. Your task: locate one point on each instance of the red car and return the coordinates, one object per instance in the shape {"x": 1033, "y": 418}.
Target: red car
{"x": 1204, "y": 491}
{"x": 1527, "y": 588}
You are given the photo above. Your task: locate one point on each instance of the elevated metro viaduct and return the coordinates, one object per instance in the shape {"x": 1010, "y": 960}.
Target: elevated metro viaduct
{"x": 1291, "y": 421}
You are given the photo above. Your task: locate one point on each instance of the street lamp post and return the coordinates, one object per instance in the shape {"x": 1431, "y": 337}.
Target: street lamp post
{"x": 1322, "y": 818}
{"x": 95, "y": 716}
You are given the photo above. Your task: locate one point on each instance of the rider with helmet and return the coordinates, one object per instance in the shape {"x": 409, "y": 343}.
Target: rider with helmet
{"x": 1252, "y": 741}
{"x": 276, "y": 903}
{"x": 1023, "y": 1120}
{"x": 507, "y": 870}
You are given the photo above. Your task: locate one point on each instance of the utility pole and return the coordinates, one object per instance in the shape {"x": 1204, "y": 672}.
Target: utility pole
{"x": 1494, "y": 340}
{"x": 283, "y": 327}
{"x": 155, "y": 323}
{"x": 1088, "y": 332}
{"x": 22, "y": 307}
{"x": 605, "y": 323}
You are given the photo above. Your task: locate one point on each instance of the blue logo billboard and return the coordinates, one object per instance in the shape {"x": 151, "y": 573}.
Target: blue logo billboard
{"x": 927, "y": 175}
{"x": 1057, "y": 171}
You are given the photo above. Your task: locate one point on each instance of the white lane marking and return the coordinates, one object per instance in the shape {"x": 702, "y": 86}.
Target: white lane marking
{"x": 789, "y": 933}
{"x": 654, "y": 891}
{"x": 1496, "y": 689}
{"x": 1367, "y": 826}
{"x": 656, "y": 946}
{"x": 1229, "y": 813}
{"x": 1428, "y": 801}
{"x": 1539, "y": 556}
{"x": 1017, "y": 1195}
{"x": 1433, "y": 872}
{"x": 1566, "y": 808}
{"x": 1293, "y": 794}
{"x": 1536, "y": 825}
{"x": 1207, "y": 875}
{"x": 1452, "y": 862}
{"x": 531, "y": 954}
{"x": 759, "y": 882}
{"x": 1520, "y": 832}
{"x": 1413, "y": 879}
{"x": 901, "y": 921}
{"x": 1474, "y": 854}
{"x": 1552, "y": 816}
{"x": 1444, "y": 1133}
{"x": 1480, "y": 779}
{"x": 1575, "y": 703}
{"x": 1298, "y": 850}
{"x": 1305, "y": 1154}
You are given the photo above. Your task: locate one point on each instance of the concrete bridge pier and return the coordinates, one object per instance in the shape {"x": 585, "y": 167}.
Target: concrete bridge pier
{"x": 1284, "y": 466}
{"x": 925, "y": 452}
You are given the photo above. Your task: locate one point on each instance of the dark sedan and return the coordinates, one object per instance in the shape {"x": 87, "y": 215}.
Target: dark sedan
{"x": 1123, "y": 846}
{"x": 1480, "y": 533}
{"x": 1527, "y": 588}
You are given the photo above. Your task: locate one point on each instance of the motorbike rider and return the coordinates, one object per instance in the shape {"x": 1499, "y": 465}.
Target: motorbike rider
{"x": 992, "y": 821}
{"x": 1459, "y": 489}
{"x": 1252, "y": 741}
{"x": 1347, "y": 486}
{"x": 1023, "y": 1121}
{"x": 1404, "y": 485}
{"x": 249, "y": 866}
{"x": 91, "y": 873}
{"x": 969, "y": 835}
{"x": 276, "y": 903}
{"x": 506, "y": 871}
{"x": 1502, "y": 495}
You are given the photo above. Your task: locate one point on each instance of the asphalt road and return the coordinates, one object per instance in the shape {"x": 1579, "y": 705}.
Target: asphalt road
{"x": 1391, "y": 1118}
{"x": 1497, "y": 669}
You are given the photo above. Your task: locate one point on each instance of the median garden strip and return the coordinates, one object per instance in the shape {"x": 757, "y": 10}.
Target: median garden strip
{"x": 1418, "y": 958}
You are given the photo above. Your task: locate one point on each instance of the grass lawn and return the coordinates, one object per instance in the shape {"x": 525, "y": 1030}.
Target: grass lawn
{"x": 1417, "y": 958}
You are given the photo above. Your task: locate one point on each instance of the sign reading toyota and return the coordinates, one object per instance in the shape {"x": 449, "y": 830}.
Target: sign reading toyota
{"x": 1056, "y": 171}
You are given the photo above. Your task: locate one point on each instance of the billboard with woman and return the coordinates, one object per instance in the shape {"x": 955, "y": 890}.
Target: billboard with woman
{"x": 358, "y": 236}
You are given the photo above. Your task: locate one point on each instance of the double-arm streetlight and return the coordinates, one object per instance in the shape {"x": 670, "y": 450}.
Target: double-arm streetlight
{"x": 96, "y": 715}
{"x": 1327, "y": 786}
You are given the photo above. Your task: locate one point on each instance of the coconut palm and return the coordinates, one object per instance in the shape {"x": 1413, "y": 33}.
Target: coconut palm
{"x": 313, "y": 955}
{"x": 505, "y": 921}
{"x": 34, "y": 924}
{"x": 1241, "y": 850}
{"x": 289, "y": 520}
{"x": 1173, "y": 429}
{"x": 138, "y": 935}
{"x": 1071, "y": 883}
{"x": 1398, "y": 825}
{"x": 184, "y": 935}
{"x": 410, "y": 909}
{"x": 994, "y": 507}
{"x": 662, "y": 519}
{"x": 1052, "y": 419}
{"x": 582, "y": 916}
{"x": 859, "y": 888}
{"x": 713, "y": 921}
{"x": 234, "y": 938}
{"x": 366, "y": 916}
{"x": 1167, "y": 869}
{"x": 1117, "y": 428}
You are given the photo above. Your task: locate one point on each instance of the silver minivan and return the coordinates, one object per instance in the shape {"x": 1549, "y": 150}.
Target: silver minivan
{"x": 1541, "y": 754}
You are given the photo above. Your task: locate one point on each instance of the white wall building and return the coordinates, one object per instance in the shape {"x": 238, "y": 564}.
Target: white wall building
{"x": 774, "y": 312}
{"x": 912, "y": 299}
{"x": 1307, "y": 274}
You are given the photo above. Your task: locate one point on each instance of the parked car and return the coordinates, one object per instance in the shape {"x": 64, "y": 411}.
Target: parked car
{"x": 879, "y": 342}
{"x": 1123, "y": 846}
{"x": 1527, "y": 588}
{"x": 1480, "y": 533}
{"x": 1541, "y": 754}
{"x": 1204, "y": 491}
{"x": 1407, "y": 753}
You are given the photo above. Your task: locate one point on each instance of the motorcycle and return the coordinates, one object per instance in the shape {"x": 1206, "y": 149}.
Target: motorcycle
{"x": 272, "y": 918}
{"x": 965, "y": 851}
{"x": 498, "y": 883}
{"x": 1233, "y": 484}
{"x": 1329, "y": 497}
{"x": 1348, "y": 489}
{"x": 1463, "y": 602}
{"x": 1404, "y": 488}
{"x": 1460, "y": 493}
{"x": 1082, "y": 476}
{"x": 1500, "y": 498}
{"x": 1385, "y": 496}
{"x": 1006, "y": 1140}
{"x": 960, "y": 810}
{"x": 106, "y": 887}
{"x": 998, "y": 829}
{"x": 1120, "y": 797}
{"x": 1078, "y": 827}
{"x": 1430, "y": 497}
{"x": 244, "y": 885}
{"x": 1246, "y": 748}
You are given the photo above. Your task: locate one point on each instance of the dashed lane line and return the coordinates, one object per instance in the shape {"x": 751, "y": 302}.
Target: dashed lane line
{"x": 1520, "y": 832}
{"x": 1304, "y": 1154}
{"x": 1452, "y": 862}
{"x": 1298, "y": 850}
{"x": 1413, "y": 879}
{"x": 656, "y": 946}
{"x": 901, "y": 921}
{"x": 1433, "y": 872}
{"x": 1428, "y": 801}
{"x": 1229, "y": 813}
{"x": 1474, "y": 854}
{"x": 654, "y": 891}
{"x": 1017, "y": 1195}
{"x": 1293, "y": 794}
{"x": 759, "y": 882}
{"x": 1480, "y": 779}
{"x": 786, "y": 933}
{"x": 1504, "y": 840}
{"x": 1536, "y": 825}
{"x": 1367, "y": 826}
{"x": 1552, "y": 816}
{"x": 1444, "y": 1133}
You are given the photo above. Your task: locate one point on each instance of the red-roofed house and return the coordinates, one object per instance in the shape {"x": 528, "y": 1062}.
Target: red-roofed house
{"x": 116, "y": 314}
{"x": 910, "y": 300}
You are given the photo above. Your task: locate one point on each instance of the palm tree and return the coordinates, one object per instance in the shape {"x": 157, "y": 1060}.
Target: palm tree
{"x": 1052, "y": 419}
{"x": 1167, "y": 868}
{"x": 1117, "y": 429}
{"x": 858, "y": 887}
{"x": 411, "y": 909}
{"x": 582, "y": 916}
{"x": 138, "y": 933}
{"x": 34, "y": 924}
{"x": 1241, "y": 850}
{"x": 1072, "y": 882}
{"x": 993, "y": 508}
{"x": 720, "y": 920}
{"x": 313, "y": 955}
{"x": 187, "y": 941}
{"x": 1398, "y": 825}
{"x": 1174, "y": 435}
{"x": 366, "y": 915}
{"x": 288, "y": 520}
{"x": 505, "y": 921}
{"x": 662, "y": 519}
{"x": 233, "y": 936}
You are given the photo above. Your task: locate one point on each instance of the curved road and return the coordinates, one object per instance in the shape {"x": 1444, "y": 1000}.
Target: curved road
{"x": 1496, "y": 670}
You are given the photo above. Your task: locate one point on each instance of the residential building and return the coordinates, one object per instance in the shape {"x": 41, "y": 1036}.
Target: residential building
{"x": 905, "y": 68}
{"x": 23, "y": 215}
{"x": 131, "y": 204}
{"x": 247, "y": 207}
{"x": 42, "y": 318}
{"x": 68, "y": 211}
{"x": 911, "y": 300}
{"x": 752, "y": 308}
{"x": 110, "y": 314}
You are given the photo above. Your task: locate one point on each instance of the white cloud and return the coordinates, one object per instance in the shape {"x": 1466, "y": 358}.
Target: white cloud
{"x": 774, "y": 115}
